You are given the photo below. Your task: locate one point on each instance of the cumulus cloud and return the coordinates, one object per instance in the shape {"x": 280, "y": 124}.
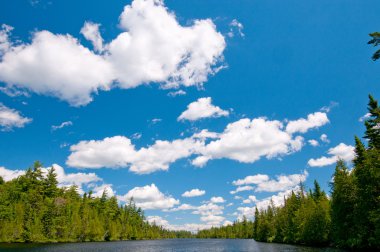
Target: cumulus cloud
{"x": 245, "y": 141}
{"x": 11, "y": 118}
{"x": 324, "y": 138}
{"x": 62, "y": 125}
{"x": 313, "y": 142}
{"x": 119, "y": 152}
{"x": 91, "y": 32}
{"x": 217, "y": 200}
{"x": 193, "y": 193}
{"x": 8, "y": 174}
{"x": 64, "y": 179}
{"x": 236, "y": 27}
{"x": 192, "y": 227}
{"x": 341, "y": 151}
{"x": 149, "y": 197}
{"x": 302, "y": 125}
{"x": 242, "y": 189}
{"x": 176, "y": 93}
{"x": 263, "y": 183}
{"x": 152, "y": 47}
{"x": 202, "y": 108}
{"x": 251, "y": 199}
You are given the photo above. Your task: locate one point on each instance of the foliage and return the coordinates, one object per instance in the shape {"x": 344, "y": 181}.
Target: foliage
{"x": 34, "y": 209}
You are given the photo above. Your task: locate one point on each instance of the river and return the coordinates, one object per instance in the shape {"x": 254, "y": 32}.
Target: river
{"x": 170, "y": 245}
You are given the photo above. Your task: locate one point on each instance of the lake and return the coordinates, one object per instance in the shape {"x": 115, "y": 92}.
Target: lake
{"x": 172, "y": 245}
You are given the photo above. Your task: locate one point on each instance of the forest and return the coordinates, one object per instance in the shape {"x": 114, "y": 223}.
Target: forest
{"x": 34, "y": 209}
{"x": 348, "y": 218}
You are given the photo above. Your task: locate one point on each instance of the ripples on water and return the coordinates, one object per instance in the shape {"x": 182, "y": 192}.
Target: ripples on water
{"x": 175, "y": 245}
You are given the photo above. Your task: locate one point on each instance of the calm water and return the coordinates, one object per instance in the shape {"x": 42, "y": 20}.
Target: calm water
{"x": 175, "y": 245}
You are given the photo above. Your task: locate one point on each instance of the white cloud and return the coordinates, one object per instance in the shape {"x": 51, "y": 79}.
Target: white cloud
{"x": 214, "y": 220}
{"x": 244, "y": 140}
{"x": 264, "y": 184}
{"x": 242, "y": 189}
{"x": 62, "y": 125}
{"x": 313, "y": 142}
{"x": 302, "y": 125}
{"x": 251, "y": 199}
{"x": 7, "y": 174}
{"x": 217, "y": 200}
{"x": 152, "y": 47}
{"x": 193, "y": 193}
{"x": 91, "y": 32}
{"x": 192, "y": 227}
{"x": 342, "y": 151}
{"x": 236, "y": 27}
{"x": 182, "y": 207}
{"x": 364, "y": 117}
{"x": 248, "y": 140}
{"x": 5, "y": 43}
{"x": 324, "y": 138}
{"x": 11, "y": 118}
{"x": 118, "y": 151}
{"x": 202, "y": 108}
{"x": 149, "y": 197}
{"x": 64, "y": 179}
{"x": 254, "y": 179}
{"x": 176, "y": 93}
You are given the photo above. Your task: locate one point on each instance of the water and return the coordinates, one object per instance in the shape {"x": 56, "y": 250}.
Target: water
{"x": 175, "y": 245}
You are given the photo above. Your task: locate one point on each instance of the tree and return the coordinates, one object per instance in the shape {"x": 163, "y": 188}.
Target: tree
{"x": 375, "y": 41}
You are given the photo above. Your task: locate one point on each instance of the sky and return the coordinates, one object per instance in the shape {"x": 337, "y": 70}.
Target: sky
{"x": 199, "y": 110}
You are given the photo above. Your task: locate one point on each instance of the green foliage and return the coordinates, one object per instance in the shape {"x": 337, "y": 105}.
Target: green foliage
{"x": 34, "y": 209}
{"x": 238, "y": 230}
{"x": 375, "y": 41}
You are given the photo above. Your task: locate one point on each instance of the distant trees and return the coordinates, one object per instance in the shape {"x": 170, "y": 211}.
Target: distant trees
{"x": 238, "y": 230}
{"x": 34, "y": 209}
{"x": 349, "y": 219}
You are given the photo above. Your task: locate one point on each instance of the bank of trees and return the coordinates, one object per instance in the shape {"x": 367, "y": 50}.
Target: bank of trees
{"x": 238, "y": 230}
{"x": 34, "y": 209}
{"x": 349, "y": 218}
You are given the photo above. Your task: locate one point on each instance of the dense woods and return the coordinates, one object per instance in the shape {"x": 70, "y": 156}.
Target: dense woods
{"x": 349, "y": 218}
{"x": 34, "y": 209}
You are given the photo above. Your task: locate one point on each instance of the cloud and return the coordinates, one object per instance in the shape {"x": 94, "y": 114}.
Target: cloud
{"x": 91, "y": 32}
{"x": 202, "y": 108}
{"x": 324, "y": 138}
{"x": 62, "y": 125}
{"x": 242, "y": 189}
{"x": 192, "y": 227}
{"x": 217, "y": 200}
{"x": 11, "y": 118}
{"x": 341, "y": 151}
{"x": 313, "y": 142}
{"x": 193, "y": 193}
{"x": 245, "y": 141}
{"x": 8, "y": 175}
{"x": 152, "y": 47}
{"x": 364, "y": 117}
{"x": 56, "y": 65}
{"x": 64, "y": 179}
{"x": 254, "y": 179}
{"x": 5, "y": 44}
{"x": 251, "y": 199}
{"x": 264, "y": 184}
{"x": 214, "y": 220}
{"x": 118, "y": 152}
{"x": 236, "y": 27}
{"x": 302, "y": 125}
{"x": 248, "y": 140}
{"x": 176, "y": 93}
{"x": 149, "y": 197}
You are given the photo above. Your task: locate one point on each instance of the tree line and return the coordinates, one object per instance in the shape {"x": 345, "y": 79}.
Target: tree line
{"x": 349, "y": 218}
{"x": 34, "y": 209}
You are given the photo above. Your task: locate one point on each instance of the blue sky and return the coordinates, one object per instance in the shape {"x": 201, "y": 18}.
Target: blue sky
{"x": 262, "y": 77}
